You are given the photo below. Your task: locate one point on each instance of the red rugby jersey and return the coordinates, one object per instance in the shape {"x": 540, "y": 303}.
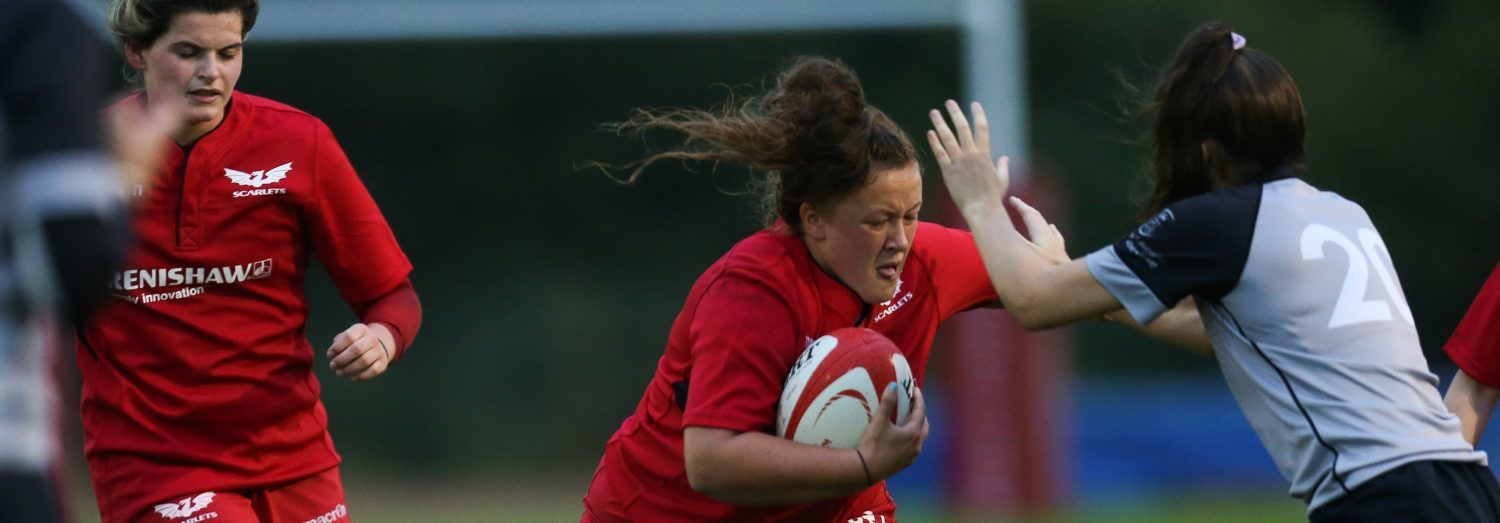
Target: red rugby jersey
{"x": 1475, "y": 344}
{"x": 745, "y": 322}
{"x": 197, "y": 376}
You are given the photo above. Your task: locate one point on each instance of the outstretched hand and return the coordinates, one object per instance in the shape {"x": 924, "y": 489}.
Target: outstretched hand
{"x": 978, "y": 186}
{"x": 974, "y": 183}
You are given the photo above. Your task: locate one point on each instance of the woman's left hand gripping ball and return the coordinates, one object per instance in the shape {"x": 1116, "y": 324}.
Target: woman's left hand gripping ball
{"x": 361, "y": 352}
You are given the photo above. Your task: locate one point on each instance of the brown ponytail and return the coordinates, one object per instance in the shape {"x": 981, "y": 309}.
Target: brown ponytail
{"x": 813, "y": 136}
{"x": 1222, "y": 116}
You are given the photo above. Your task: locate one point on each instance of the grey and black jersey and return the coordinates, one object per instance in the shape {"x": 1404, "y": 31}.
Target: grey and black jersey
{"x": 1299, "y": 297}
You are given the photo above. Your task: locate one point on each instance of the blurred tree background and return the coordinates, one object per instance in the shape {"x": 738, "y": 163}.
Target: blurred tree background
{"x": 549, "y": 289}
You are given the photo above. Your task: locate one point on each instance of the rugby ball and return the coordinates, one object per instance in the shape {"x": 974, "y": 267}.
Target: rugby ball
{"x": 834, "y": 388}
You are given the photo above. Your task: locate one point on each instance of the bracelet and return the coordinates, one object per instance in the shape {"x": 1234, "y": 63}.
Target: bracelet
{"x": 388, "y": 351}
{"x": 868, "y": 478}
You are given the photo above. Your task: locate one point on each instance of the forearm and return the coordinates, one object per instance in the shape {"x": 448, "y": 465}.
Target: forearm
{"x": 1180, "y": 326}
{"x": 1038, "y": 291}
{"x": 1473, "y": 402}
{"x": 753, "y": 468}
{"x": 1013, "y": 262}
{"x": 399, "y": 311}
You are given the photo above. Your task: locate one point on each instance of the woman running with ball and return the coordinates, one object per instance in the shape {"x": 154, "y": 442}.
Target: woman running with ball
{"x": 842, "y": 248}
{"x": 1294, "y": 286}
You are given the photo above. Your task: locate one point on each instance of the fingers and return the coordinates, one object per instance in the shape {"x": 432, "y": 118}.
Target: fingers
{"x": 357, "y": 354}
{"x": 375, "y": 369}
{"x": 925, "y": 426}
{"x": 1036, "y": 225}
{"x": 1002, "y": 172}
{"x": 981, "y": 125}
{"x": 917, "y": 419}
{"x": 960, "y": 125}
{"x": 367, "y": 365}
{"x": 937, "y": 148}
{"x": 888, "y": 401}
{"x": 944, "y": 134}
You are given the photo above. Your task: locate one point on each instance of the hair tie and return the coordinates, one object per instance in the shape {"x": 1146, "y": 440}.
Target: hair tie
{"x": 1239, "y": 41}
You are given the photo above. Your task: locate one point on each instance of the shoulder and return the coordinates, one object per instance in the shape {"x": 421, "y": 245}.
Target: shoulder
{"x": 1204, "y": 216}
{"x": 1222, "y": 203}
{"x": 267, "y": 115}
{"x": 756, "y": 276}
{"x": 771, "y": 260}
{"x": 934, "y": 239}
{"x": 261, "y": 103}
{"x": 769, "y": 251}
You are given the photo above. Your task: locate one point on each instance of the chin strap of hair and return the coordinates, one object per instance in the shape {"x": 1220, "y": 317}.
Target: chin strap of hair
{"x": 1238, "y": 39}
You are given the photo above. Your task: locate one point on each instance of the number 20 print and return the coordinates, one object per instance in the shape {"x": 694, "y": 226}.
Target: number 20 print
{"x": 1352, "y": 307}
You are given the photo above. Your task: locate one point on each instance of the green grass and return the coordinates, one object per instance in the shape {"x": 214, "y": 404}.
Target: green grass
{"x": 390, "y": 499}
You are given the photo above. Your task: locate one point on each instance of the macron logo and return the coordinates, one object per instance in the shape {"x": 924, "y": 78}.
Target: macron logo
{"x": 186, "y": 507}
{"x": 258, "y": 178}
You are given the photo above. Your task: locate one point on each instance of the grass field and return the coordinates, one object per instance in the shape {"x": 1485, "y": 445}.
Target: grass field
{"x": 514, "y": 500}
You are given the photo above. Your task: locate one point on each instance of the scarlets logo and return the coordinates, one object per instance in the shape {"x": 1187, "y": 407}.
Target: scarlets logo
{"x": 186, "y": 507}
{"x": 259, "y": 178}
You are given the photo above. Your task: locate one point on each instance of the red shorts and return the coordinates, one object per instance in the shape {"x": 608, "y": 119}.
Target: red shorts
{"x": 873, "y": 505}
{"x": 318, "y": 498}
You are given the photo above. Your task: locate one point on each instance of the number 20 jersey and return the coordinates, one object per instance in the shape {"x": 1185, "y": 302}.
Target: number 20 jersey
{"x": 1308, "y": 322}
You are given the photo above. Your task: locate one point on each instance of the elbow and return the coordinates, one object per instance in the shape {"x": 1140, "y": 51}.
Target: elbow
{"x": 1035, "y": 323}
{"x": 707, "y": 479}
{"x": 1031, "y": 314}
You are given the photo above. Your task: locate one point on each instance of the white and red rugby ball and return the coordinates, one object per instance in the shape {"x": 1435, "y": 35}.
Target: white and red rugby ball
{"x": 834, "y": 388}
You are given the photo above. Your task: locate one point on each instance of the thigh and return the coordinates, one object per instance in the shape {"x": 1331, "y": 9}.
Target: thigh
{"x": 318, "y": 498}
{"x": 874, "y": 505}
{"x": 217, "y": 507}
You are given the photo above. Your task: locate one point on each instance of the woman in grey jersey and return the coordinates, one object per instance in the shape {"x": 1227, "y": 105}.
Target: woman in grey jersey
{"x": 1293, "y": 285}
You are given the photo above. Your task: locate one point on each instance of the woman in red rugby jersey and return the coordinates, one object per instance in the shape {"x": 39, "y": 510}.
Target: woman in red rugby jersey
{"x": 842, "y": 247}
{"x": 199, "y": 396}
{"x": 1475, "y": 349}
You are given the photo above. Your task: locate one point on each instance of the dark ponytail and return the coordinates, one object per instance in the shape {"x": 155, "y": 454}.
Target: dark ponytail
{"x": 813, "y": 136}
{"x": 1222, "y": 116}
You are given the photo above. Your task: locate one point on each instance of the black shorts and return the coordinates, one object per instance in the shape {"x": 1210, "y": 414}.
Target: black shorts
{"x": 1421, "y": 491}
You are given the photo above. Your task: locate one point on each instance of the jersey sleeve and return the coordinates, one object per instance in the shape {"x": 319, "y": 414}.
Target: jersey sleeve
{"x": 1195, "y": 247}
{"x": 958, "y": 275}
{"x": 1475, "y": 344}
{"x": 743, "y": 344}
{"x": 348, "y": 233}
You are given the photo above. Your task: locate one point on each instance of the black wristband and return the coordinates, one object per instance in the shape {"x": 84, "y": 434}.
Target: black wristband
{"x": 868, "y": 478}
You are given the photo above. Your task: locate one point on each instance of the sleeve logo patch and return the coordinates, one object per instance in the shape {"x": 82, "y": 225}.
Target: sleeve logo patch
{"x": 1136, "y": 242}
